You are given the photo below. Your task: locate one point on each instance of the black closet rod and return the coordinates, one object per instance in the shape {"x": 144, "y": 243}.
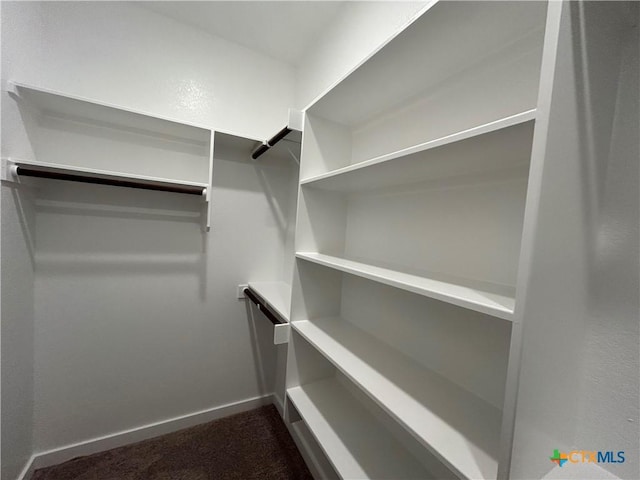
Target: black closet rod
{"x": 116, "y": 182}
{"x": 263, "y": 308}
{"x": 271, "y": 142}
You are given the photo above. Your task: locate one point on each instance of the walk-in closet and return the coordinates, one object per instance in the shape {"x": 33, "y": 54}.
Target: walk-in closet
{"x": 320, "y": 240}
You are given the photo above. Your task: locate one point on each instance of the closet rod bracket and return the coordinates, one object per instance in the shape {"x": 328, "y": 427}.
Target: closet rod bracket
{"x": 9, "y": 171}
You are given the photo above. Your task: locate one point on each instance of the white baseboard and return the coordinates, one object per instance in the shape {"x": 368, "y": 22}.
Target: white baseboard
{"x": 277, "y": 401}
{"x": 100, "y": 444}
{"x": 28, "y": 469}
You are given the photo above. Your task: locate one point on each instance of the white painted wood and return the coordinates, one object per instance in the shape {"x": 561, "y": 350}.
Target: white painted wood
{"x": 444, "y": 90}
{"x": 493, "y": 302}
{"x": 210, "y": 180}
{"x": 326, "y": 146}
{"x": 456, "y": 426}
{"x": 534, "y": 193}
{"x": 432, "y": 51}
{"x": 276, "y": 294}
{"x": 504, "y": 143}
{"x": 281, "y": 334}
{"x": 319, "y": 466}
{"x": 352, "y": 439}
{"x": 468, "y": 348}
{"x": 70, "y": 130}
{"x": 55, "y": 102}
{"x": 414, "y": 176}
{"x": 296, "y": 119}
{"x": 582, "y": 253}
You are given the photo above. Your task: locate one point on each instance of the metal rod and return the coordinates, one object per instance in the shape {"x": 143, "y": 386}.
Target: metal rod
{"x": 275, "y": 319}
{"x": 259, "y": 151}
{"x": 271, "y": 142}
{"x": 74, "y": 177}
{"x": 279, "y": 136}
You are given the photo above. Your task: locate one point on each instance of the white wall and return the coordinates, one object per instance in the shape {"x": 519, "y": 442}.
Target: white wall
{"x": 136, "y": 319}
{"x": 17, "y": 250}
{"x": 359, "y": 29}
{"x": 17, "y": 317}
{"x": 580, "y": 361}
{"x": 126, "y": 55}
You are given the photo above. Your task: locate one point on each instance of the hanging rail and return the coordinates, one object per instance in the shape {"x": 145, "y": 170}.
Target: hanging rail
{"x": 19, "y": 169}
{"x": 271, "y": 142}
{"x": 275, "y": 319}
{"x": 294, "y": 123}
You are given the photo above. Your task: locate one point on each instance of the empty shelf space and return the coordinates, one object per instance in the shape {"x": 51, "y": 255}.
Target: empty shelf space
{"x": 54, "y": 103}
{"x": 276, "y": 294}
{"x": 458, "y": 427}
{"x": 352, "y": 439}
{"x": 504, "y": 144}
{"x": 435, "y": 50}
{"x": 477, "y": 299}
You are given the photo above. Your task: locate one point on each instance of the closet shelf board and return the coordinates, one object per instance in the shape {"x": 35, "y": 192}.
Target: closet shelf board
{"x": 494, "y": 146}
{"x": 433, "y": 50}
{"x": 276, "y": 294}
{"x": 355, "y": 443}
{"x": 50, "y": 102}
{"x": 476, "y": 299}
{"x": 458, "y": 427}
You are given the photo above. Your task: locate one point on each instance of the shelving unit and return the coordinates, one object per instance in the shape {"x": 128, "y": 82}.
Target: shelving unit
{"x": 84, "y": 137}
{"x": 358, "y": 446}
{"x": 457, "y": 427}
{"x": 413, "y": 194}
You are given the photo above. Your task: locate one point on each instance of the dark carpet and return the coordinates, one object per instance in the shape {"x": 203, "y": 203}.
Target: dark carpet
{"x": 249, "y": 445}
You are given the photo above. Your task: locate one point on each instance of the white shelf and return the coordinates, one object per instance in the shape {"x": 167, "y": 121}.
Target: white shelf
{"x": 459, "y": 428}
{"x": 51, "y": 102}
{"x": 485, "y": 298}
{"x": 92, "y": 138}
{"x": 276, "y": 294}
{"x": 433, "y": 49}
{"x": 352, "y": 439}
{"x": 498, "y": 145}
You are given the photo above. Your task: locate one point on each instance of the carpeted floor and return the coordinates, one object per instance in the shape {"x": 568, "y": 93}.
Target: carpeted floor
{"x": 249, "y": 445}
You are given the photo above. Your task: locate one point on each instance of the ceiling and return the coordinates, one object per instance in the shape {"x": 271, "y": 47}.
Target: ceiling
{"x": 281, "y": 29}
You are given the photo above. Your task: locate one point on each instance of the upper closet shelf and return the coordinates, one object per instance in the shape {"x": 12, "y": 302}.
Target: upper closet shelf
{"x": 435, "y": 54}
{"x": 73, "y": 107}
{"x": 85, "y": 140}
{"x": 482, "y": 297}
{"x": 503, "y": 145}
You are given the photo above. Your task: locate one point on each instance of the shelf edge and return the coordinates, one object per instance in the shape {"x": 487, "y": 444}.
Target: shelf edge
{"x": 496, "y": 125}
{"x": 501, "y": 312}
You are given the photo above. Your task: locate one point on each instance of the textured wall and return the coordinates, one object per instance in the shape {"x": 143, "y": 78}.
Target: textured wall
{"x": 136, "y": 319}
{"x": 358, "y": 30}
{"x": 579, "y": 380}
